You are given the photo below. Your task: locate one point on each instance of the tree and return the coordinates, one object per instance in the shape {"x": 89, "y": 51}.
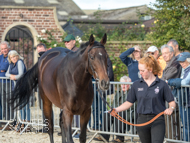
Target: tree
{"x": 172, "y": 21}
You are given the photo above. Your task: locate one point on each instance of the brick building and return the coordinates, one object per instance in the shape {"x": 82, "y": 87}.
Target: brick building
{"x": 22, "y": 23}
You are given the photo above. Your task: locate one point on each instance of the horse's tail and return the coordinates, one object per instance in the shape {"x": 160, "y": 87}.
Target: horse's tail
{"x": 20, "y": 96}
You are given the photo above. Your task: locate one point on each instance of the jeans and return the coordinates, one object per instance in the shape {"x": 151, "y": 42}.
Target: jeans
{"x": 98, "y": 108}
{"x": 152, "y": 133}
{"x": 185, "y": 117}
{"x": 25, "y": 113}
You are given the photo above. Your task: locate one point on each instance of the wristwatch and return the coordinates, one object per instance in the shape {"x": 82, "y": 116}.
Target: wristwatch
{"x": 172, "y": 108}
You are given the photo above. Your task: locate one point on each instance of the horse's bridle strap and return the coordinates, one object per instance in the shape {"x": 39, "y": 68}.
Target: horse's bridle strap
{"x": 93, "y": 71}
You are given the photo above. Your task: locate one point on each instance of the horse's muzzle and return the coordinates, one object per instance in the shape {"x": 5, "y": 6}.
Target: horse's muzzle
{"x": 104, "y": 85}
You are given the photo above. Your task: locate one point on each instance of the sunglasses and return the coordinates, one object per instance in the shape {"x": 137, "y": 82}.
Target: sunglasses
{"x": 66, "y": 41}
{"x": 151, "y": 53}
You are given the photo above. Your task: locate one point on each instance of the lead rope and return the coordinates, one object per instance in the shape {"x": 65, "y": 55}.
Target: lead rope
{"x": 114, "y": 114}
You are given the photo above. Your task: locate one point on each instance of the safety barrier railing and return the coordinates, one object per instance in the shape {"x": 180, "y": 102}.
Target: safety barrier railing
{"x": 100, "y": 121}
{"x": 7, "y": 114}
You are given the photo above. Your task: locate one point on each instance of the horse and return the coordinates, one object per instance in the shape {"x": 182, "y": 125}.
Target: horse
{"x": 64, "y": 79}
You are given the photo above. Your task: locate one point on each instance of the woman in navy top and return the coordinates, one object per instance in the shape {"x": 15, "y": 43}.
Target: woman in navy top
{"x": 15, "y": 71}
{"x": 132, "y": 63}
{"x": 151, "y": 93}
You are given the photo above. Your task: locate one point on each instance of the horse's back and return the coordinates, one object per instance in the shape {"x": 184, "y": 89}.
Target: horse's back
{"x": 49, "y": 63}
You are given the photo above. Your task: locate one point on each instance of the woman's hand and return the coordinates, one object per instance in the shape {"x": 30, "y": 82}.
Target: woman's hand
{"x": 168, "y": 111}
{"x": 12, "y": 77}
{"x": 137, "y": 49}
{"x": 112, "y": 113}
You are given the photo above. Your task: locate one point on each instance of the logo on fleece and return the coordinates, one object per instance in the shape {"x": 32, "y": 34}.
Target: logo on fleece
{"x": 156, "y": 90}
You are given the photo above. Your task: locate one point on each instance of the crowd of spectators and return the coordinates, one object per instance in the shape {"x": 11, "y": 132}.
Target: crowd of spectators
{"x": 157, "y": 76}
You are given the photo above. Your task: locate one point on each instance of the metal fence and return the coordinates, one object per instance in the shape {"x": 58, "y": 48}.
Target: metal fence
{"x": 7, "y": 114}
{"x": 177, "y": 125}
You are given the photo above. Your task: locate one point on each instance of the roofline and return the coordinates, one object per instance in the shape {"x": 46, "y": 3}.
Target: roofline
{"x": 28, "y": 7}
{"x": 123, "y": 8}
{"x": 93, "y": 21}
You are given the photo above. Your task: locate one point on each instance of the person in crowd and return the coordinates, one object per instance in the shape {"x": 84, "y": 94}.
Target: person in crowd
{"x": 153, "y": 50}
{"x": 109, "y": 120}
{"x": 132, "y": 63}
{"x": 15, "y": 71}
{"x": 5, "y": 112}
{"x": 174, "y": 44}
{"x": 151, "y": 93}
{"x": 98, "y": 106}
{"x": 183, "y": 96}
{"x": 70, "y": 42}
{"x": 41, "y": 49}
{"x": 172, "y": 70}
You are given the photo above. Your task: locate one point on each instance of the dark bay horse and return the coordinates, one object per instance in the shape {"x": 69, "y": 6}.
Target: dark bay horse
{"x": 64, "y": 79}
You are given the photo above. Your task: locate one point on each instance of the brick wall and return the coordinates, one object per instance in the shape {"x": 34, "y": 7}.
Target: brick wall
{"x": 117, "y": 47}
{"x": 38, "y": 18}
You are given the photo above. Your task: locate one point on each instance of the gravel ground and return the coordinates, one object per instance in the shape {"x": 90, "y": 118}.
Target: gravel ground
{"x": 31, "y": 137}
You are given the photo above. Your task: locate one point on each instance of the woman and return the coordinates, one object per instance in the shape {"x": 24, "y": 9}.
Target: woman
{"x": 15, "y": 71}
{"x": 151, "y": 93}
{"x": 184, "y": 101}
{"x": 132, "y": 63}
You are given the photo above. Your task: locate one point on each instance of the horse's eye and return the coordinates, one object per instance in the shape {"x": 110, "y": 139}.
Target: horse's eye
{"x": 92, "y": 57}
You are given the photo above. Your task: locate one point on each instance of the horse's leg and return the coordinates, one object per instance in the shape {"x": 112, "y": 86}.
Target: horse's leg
{"x": 84, "y": 118}
{"x": 47, "y": 109}
{"x": 67, "y": 118}
{"x": 62, "y": 127}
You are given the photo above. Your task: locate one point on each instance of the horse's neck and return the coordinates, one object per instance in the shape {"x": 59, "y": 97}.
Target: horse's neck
{"x": 81, "y": 70}
{"x": 83, "y": 58}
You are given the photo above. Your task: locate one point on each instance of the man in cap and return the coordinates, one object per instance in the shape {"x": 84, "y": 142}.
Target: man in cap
{"x": 70, "y": 42}
{"x": 183, "y": 94}
{"x": 153, "y": 50}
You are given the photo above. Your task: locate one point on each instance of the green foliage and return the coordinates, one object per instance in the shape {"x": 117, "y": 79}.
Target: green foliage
{"x": 122, "y": 32}
{"x": 51, "y": 41}
{"x": 119, "y": 68}
{"x": 172, "y": 21}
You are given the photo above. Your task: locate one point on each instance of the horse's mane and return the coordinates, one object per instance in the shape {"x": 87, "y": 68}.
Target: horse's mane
{"x": 83, "y": 46}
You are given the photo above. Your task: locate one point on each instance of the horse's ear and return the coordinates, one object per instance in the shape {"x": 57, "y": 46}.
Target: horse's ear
{"x": 104, "y": 39}
{"x": 91, "y": 40}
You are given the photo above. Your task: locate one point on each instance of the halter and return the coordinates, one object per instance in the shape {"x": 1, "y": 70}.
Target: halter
{"x": 93, "y": 71}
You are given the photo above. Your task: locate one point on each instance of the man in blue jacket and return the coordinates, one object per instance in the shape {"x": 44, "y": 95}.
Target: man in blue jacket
{"x": 4, "y": 87}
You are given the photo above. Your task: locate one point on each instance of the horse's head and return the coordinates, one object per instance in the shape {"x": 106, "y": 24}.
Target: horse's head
{"x": 97, "y": 62}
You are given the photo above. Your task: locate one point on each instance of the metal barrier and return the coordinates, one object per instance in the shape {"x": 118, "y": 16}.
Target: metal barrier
{"x": 102, "y": 123}
{"x": 7, "y": 115}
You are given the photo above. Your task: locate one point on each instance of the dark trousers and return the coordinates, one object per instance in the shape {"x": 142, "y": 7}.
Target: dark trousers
{"x": 6, "y": 110}
{"x": 120, "y": 127}
{"x": 152, "y": 133}
{"x": 173, "y": 125}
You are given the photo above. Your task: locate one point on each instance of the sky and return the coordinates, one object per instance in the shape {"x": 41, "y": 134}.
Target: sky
{"x": 111, "y": 4}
